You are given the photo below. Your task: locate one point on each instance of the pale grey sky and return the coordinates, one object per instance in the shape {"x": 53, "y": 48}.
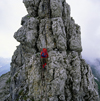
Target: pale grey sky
{"x": 85, "y": 13}
{"x": 11, "y": 12}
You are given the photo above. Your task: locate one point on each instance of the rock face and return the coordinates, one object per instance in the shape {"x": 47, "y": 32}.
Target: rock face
{"x": 67, "y": 77}
{"x": 5, "y": 87}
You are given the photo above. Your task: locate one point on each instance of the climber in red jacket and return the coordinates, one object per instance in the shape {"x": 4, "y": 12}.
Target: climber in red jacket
{"x": 44, "y": 57}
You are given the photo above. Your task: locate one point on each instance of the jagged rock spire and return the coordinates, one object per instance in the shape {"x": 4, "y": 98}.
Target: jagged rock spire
{"x": 67, "y": 78}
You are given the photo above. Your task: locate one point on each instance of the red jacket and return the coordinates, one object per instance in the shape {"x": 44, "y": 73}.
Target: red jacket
{"x": 45, "y": 51}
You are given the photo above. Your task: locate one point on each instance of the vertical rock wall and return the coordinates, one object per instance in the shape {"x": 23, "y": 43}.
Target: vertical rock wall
{"x": 67, "y": 77}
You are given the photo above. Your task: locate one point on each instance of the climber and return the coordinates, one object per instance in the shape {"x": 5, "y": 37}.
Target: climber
{"x": 44, "y": 58}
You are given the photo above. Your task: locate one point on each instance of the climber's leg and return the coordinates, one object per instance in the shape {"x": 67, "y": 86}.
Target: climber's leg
{"x": 45, "y": 64}
{"x": 44, "y": 68}
{"x": 43, "y": 61}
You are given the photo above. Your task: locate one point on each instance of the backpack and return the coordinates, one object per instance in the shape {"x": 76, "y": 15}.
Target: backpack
{"x": 43, "y": 54}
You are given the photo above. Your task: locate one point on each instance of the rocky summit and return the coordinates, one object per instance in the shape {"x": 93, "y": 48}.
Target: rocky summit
{"x": 67, "y": 76}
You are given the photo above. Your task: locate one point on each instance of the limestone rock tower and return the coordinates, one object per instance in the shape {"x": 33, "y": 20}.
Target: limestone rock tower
{"x": 67, "y": 77}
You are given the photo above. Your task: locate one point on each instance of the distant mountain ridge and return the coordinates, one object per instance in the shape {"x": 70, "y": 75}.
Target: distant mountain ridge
{"x": 95, "y": 67}
{"x": 4, "y": 65}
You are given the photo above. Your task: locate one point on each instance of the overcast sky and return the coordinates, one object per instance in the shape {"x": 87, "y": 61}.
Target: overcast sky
{"x": 86, "y": 13}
